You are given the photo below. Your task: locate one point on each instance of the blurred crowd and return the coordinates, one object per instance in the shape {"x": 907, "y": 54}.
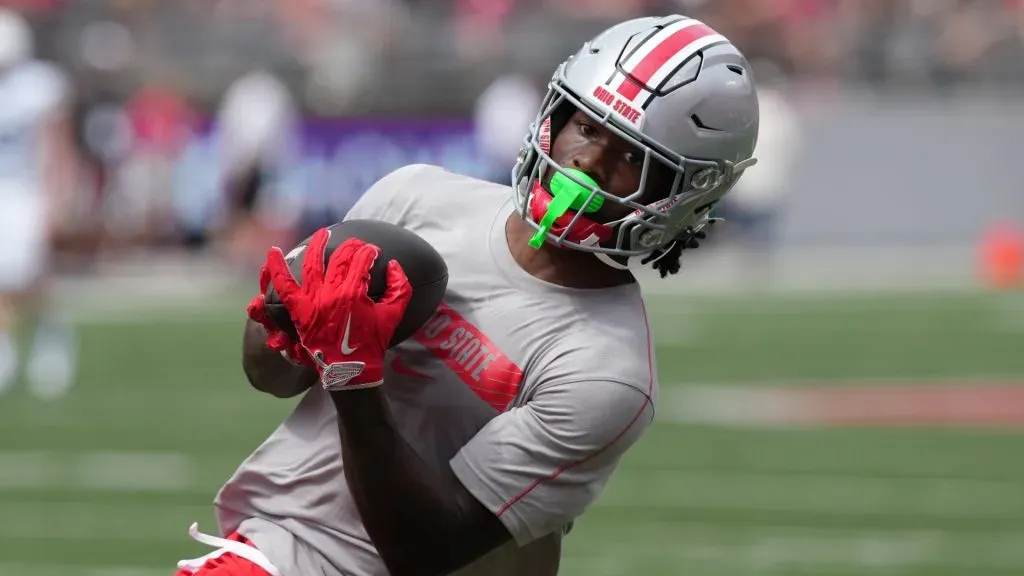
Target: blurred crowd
{"x": 146, "y": 76}
{"x": 389, "y": 56}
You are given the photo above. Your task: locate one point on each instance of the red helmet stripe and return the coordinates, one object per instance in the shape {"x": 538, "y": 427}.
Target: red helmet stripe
{"x": 666, "y": 49}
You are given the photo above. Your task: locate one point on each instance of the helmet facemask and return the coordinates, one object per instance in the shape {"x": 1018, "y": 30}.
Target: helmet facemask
{"x": 696, "y": 186}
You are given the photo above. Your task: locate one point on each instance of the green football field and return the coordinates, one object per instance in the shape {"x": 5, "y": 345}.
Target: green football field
{"x": 106, "y": 481}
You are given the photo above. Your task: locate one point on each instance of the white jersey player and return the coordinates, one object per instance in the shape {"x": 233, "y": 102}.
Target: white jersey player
{"x": 35, "y": 169}
{"x": 502, "y": 113}
{"x": 258, "y": 132}
{"x": 471, "y": 447}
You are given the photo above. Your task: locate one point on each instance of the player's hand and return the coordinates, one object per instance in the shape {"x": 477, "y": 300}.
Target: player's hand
{"x": 277, "y": 339}
{"x": 340, "y": 326}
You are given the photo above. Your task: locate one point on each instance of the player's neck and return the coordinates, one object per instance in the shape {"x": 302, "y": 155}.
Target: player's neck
{"x": 568, "y": 268}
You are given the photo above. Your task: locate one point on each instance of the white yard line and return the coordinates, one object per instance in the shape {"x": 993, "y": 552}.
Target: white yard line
{"x": 15, "y": 569}
{"x": 99, "y": 521}
{"x": 970, "y": 400}
{"x": 102, "y": 471}
{"x": 836, "y": 494}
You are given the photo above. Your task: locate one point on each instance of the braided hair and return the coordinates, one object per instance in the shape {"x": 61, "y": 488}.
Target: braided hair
{"x": 668, "y": 261}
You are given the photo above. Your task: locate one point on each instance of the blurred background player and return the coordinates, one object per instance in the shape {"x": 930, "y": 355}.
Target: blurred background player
{"x": 501, "y": 116}
{"x": 257, "y": 122}
{"x": 752, "y": 209}
{"x": 36, "y": 177}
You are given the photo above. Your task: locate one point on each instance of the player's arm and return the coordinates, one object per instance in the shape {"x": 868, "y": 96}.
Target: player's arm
{"x": 269, "y": 370}
{"x": 417, "y": 513}
{"x": 527, "y": 474}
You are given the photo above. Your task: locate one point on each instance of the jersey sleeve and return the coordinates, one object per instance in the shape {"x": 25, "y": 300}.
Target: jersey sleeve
{"x": 539, "y": 466}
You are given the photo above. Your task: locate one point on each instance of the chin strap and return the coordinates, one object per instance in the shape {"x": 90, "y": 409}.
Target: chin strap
{"x": 688, "y": 239}
{"x": 632, "y": 262}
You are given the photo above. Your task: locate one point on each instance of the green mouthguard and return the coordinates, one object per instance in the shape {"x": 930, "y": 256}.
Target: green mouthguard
{"x": 566, "y": 195}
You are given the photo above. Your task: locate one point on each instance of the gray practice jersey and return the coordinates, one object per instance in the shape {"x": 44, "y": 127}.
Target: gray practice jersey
{"x": 530, "y": 392}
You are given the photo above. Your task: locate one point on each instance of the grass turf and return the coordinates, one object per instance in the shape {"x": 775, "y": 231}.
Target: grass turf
{"x": 106, "y": 480}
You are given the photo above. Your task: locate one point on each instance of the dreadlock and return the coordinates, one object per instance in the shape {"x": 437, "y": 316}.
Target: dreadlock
{"x": 667, "y": 261}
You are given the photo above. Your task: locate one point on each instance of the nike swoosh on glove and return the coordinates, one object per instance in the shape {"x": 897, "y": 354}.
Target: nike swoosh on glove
{"x": 277, "y": 339}
{"x": 344, "y": 331}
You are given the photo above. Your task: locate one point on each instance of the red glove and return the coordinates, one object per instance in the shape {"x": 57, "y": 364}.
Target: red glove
{"x": 277, "y": 339}
{"x": 345, "y": 332}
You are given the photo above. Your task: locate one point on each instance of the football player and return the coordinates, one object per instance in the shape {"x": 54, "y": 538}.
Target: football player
{"x": 37, "y": 176}
{"x": 472, "y": 447}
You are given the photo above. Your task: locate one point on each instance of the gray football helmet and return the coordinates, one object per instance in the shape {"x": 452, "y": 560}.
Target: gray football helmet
{"x": 679, "y": 92}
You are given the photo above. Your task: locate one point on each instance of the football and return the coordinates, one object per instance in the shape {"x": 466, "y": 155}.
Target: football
{"x": 427, "y": 272}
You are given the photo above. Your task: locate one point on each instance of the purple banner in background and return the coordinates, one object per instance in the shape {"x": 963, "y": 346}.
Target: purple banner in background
{"x": 336, "y": 161}
{"x": 348, "y": 156}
